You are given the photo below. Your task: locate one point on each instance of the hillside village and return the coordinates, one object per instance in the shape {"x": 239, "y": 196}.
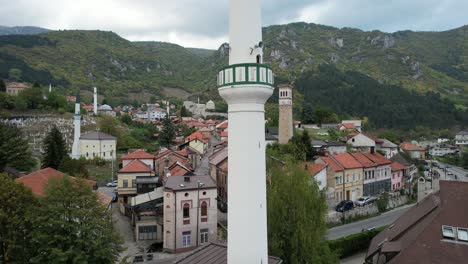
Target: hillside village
{"x": 176, "y": 197}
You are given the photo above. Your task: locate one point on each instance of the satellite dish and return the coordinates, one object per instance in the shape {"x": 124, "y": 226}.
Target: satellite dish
{"x": 260, "y": 44}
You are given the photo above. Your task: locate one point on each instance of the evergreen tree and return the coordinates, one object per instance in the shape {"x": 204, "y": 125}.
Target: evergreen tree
{"x": 14, "y": 149}
{"x": 15, "y": 227}
{"x": 71, "y": 226}
{"x": 309, "y": 149}
{"x": 2, "y": 86}
{"x": 55, "y": 149}
{"x": 167, "y": 134}
{"x": 183, "y": 112}
{"x": 296, "y": 216}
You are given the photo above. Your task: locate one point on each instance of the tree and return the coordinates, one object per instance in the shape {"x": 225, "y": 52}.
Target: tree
{"x": 33, "y": 97}
{"x": 74, "y": 167}
{"x": 14, "y": 149}
{"x": 15, "y": 227}
{"x": 167, "y": 134}
{"x": 307, "y": 114}
{"x": 56, "y": 101}
{"x": 55, "y": 149}
{"x": 309, "y": 149}
{"x": 183, "y": 112}
{"x": 324, "y": 115}
{"x": 71, "y": 226}
{"x": 296, "y": 215}
{"x": 2, "y": 86}
{"x": 126, "y": 119}
{"x": 15, "y": 74}
{"x": 382, "y": 203}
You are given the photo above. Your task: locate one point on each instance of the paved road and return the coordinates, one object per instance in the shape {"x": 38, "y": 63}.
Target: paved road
{"x": 356, "y": 227}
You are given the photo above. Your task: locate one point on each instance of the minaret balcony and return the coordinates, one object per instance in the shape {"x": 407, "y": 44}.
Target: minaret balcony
{"x": 246, "y": 74}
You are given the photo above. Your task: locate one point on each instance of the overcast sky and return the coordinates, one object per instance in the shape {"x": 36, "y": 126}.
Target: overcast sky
{"x": 203, "y": 23}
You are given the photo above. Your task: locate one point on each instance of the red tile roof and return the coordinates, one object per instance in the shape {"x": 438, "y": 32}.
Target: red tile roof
{"x": 348, "y": 125}
{"x": 223, "y": 134}
{"x": 346, "y": 160}
{"x": 136, "y": 166}
{"x": 313, "y": 169}
{"x": 197, "y": 135}
{"x": 138, "y": 154}
{"x": 178, "y": 169}
{"x": 183, "y": 152}
{"x": 365, "y": 162}
{"x": 377, "y": 158}
{"x": 411, "y": 147}
{"x": 37, "y": 180}
{"x": 398, "y": 167}
{"x": 223, "y": 125}
{"x": 332, "y": 163}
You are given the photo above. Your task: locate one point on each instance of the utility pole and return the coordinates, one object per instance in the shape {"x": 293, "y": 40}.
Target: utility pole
{"x": 199, "y": 185}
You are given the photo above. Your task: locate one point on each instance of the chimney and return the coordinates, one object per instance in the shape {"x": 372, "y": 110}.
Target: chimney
{"x": 186, "y": 178}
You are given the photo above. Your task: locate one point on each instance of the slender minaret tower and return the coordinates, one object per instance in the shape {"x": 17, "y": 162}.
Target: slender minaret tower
{"x": 285, "y": 114}
{"x": 246, "y": 84}
{"x": 50, "y": 87}
{"x": 95, "y": 101}
{"x": 76, "y": 151}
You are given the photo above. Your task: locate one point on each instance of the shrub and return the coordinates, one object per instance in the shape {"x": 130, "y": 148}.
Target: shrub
{"x": 349, "y": 245}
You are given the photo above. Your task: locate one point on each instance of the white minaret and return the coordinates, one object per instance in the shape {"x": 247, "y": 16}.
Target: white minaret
{"x": 76, "y": 151}
{"x": 95, "y": 100}
{"x": 246, "y": 84}
{"x": 50, "y": 87}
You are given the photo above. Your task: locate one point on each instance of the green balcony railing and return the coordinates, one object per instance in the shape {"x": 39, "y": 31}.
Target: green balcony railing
{"x": 246, "y": 73}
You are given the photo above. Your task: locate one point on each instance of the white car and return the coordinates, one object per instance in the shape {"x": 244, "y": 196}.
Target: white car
{"x": 365, "y": 200}
{"x": 112, "y": 184}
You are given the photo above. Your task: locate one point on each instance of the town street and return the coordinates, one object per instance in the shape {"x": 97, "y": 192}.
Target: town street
{"x": 356, "y": 227}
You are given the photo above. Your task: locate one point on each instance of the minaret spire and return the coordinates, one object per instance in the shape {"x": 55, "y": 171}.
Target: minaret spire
{"x": 246, "y": 84}
{"x": 95, "y": 101}
{"x": 76, "y": 151}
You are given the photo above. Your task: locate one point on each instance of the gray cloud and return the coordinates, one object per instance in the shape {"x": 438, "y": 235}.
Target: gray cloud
{"x": 204, "y": 23}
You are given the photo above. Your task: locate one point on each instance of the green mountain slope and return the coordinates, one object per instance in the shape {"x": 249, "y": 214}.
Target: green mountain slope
{"x": 21, "y": 30}
{"x": 419, "y": 61}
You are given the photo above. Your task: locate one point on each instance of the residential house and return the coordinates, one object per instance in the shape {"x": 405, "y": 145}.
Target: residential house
{"x": 411, "y": 169}
{"x": 435, "y": 230}
{"x": 440, "y": 150}
{"x": 363, "y": 142}
{"x": 335, "y": 147}
{"x": 461, "y": 138}
{"x": 346, "y": 127}
{"x": 356, "y": 124}
{"x": 206, "y": 132}
{"x": 134, "y": 174}
{"x": 147, "y": 215}
{"x": 190, "y": 212}
{"x": 98, "y": 144}
{"x": 218, "y": 162}
{"x": 14, "y": 88}
{"x": 380, "y": 176}
{"x": 329, "y": 126}
{"x": 179, "y": 169}
{"x": 370, "y": 186}
{"x": 318, "y": 172}
{"x": 387, "y": 147}
{"x": 223, "y": 135}
{"x": 414, "y": 151}
{"x": 198, "y": 142}
{"x": 156, "y": 114}
{"x": 165, "y": 158}
{"x": 398, "y": 176}
{"x": 139, "y": 154}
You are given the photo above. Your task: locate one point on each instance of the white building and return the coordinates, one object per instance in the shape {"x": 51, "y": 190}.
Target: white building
{"x": 210, "y": 105}
{"x": 357, "y": 123}
{"x": 363, "y": 142}
{"x": 389, "y": 148}
{"x": 156, "y": 114}
{"x": 76, "y": 153}
{"x": 461, "y": 138}
{"x": 190, "y": 212}
{"x": 318, "y": 172}
{"x": 98, "y": 144}
{"x": 442, "y": 150}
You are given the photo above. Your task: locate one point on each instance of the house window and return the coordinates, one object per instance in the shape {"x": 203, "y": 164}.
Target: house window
{"x": 134, "y": 183}
{"x": 125, "y": 183}
{"x": 186, "y": 239}
{"x": 147, "y": 232}
{"x": 204, "y": 211}
{"x": 203, "y": 236}
{"x": 186, "y": 210}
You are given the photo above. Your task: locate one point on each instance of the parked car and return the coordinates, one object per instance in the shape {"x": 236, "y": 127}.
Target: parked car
{"x": 345, "y": 205}
{"x": 365, "y": 200}
{"x": 114, "y": 197}
{"x": 112, "y": 184}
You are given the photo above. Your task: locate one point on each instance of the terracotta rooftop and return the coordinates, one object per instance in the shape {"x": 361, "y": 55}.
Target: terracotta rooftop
{"x": 346, "y": 160}
{"x": 398, "y": 167}
{"x": 223, "y": 125}
{"x": 365, "y": 162}
{"x": 138, "y": 154}
{"x": 179, "y": 169}
{"x": 313, "y": 168}
{"x": 197, "y": 135}
{"x": 37, "y": 180}
{"x": 219, "y": 156}
{"x": 348, "y": 125}
{"x": 411, "y": 147}
{"x": 136, "y": 166}
{"x": 332, "y": 163}
{"x": 377, "y": 158}
{"x": 223, "y": 134}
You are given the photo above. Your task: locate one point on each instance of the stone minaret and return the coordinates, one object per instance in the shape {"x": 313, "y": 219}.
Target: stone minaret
{"x": 246, "y": 84}
{"x": 95, "y": 101}
{"x": 76, "y": 151}
{"x": 285, "y": 128}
